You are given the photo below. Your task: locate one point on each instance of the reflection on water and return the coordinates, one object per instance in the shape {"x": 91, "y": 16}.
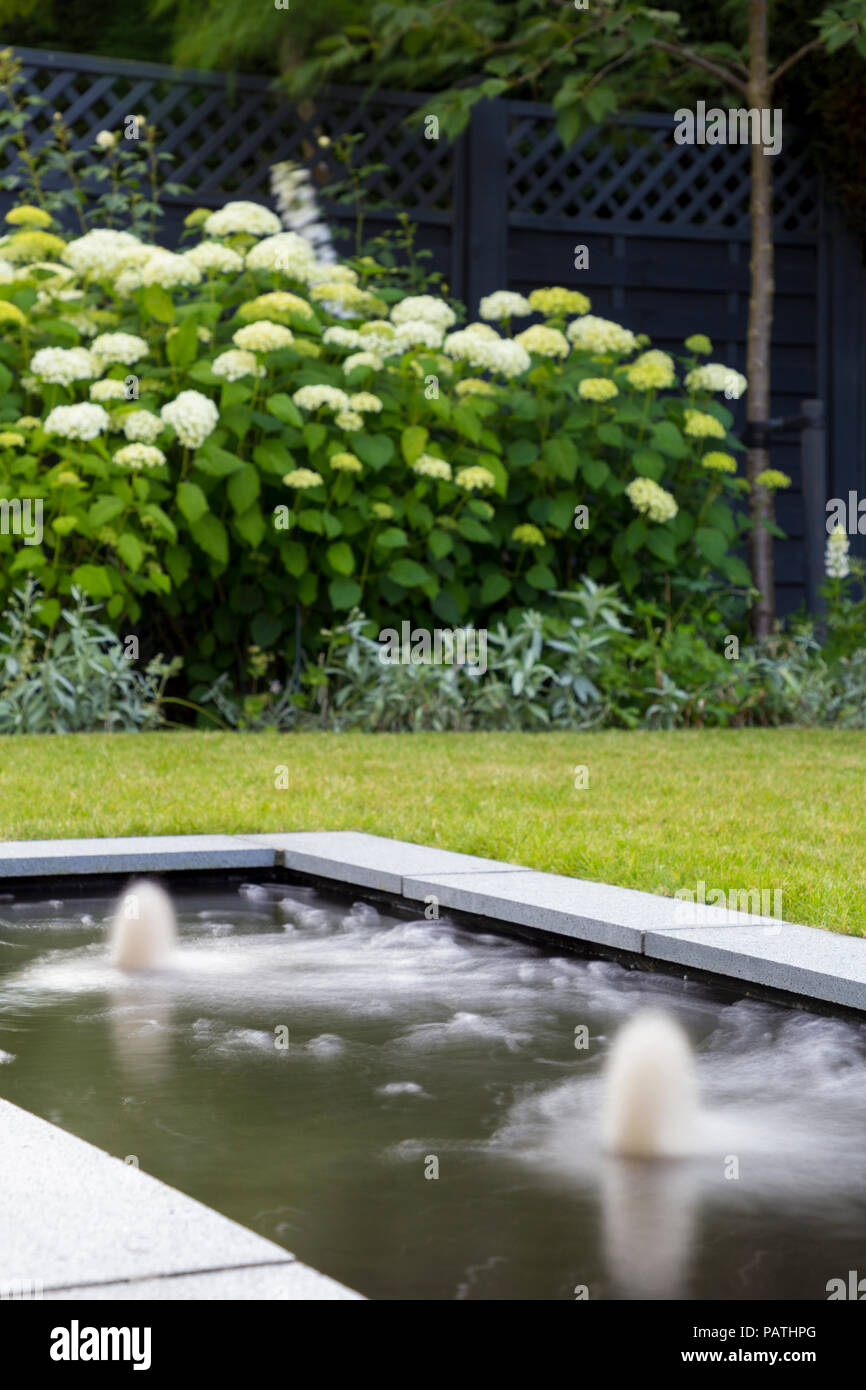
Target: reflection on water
{"x": 300, "y": 1065}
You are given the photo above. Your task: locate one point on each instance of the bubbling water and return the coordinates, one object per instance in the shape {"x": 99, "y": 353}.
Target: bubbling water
{"x": 651, "y": 1106}
{"x": 144, "y": 927}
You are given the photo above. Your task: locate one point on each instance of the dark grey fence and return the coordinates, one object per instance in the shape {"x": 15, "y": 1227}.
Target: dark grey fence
{"x": 666, "y": 226}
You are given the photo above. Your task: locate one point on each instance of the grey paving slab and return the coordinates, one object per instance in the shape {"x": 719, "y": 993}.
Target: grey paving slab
{"x": 571, "y": 907}
{"x": 371, "y": 861}
{"x": 131, "y": 854}
{"x": 71, "y": 1214}
{"x": 291, "y": 1281}
{"x": 800, "y": 960}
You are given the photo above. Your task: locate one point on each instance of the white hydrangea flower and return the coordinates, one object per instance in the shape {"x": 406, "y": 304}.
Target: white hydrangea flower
{"x": 120, "y": 347}
{"x": 295, "y": 197}
{"x": 263, "y": 336}
{"x": 212, "y": 255}
{"x": 235, "y": 363}
{"x": 142, "y": 426}
{"x": 547, "y": 342}
{"x": 314, "y": 397}
{"x": 501, "y": 355}
{"x": 286, "y": 252}
{"x": 362, "y": 359}
{"x": 419, "y": 333}
{"x": 251, "y": 218}
{"x": 326, "y": 272}
{"x": 192, "y": 416}
{"x": 504, "y": 304}
{"x": 108, "y": 390}
{"x": 365, "y": 402}
{"x": 7, "y": 271}
{"x": 600, "y": 335}
{"x": 342, "y": 337}
{"x": 100, "y": 251}
{"x": 168, "y": 270}
{"x": 139, "y": 456}
{"x": 714, "y": 376}
{"x": 62, "y": 366}
{"x": 83, "y": 421}
{"x": 424, "y": 306}
{"x": 836, "y": 563}
{"x": 429, "y": 466}
{"x": 653, "y": 501}
{"x": 349, "y": 420}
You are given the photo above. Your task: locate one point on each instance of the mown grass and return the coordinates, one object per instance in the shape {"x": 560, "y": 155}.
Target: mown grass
{"x": 740, "y": 809}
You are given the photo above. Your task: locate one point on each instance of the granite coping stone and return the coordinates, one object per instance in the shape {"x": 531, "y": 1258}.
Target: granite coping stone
{"x": 291, "y": 1281}
{"x": 71, "y": 1215}
{"x": 131, "y": 854}
{"x": 796, "y": 959}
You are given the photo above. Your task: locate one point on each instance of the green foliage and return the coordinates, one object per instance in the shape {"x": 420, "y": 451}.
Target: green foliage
{"x": 72, "y": 676}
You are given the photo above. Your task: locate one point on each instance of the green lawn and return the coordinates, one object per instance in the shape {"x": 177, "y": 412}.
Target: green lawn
{"x": 740, "y": 809}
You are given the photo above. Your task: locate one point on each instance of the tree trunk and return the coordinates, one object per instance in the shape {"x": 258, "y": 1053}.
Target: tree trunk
{"x": 760, "y": 328}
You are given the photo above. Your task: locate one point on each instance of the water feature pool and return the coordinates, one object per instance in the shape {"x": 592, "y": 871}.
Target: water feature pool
{"x": 416, "y": 1044}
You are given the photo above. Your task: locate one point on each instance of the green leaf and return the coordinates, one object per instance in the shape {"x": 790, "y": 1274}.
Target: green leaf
{"x": 251, "y": 526}
{"x": 265, "y": 629}
{"x": 210, "y": 535}
{"x": 522, "y": 452}
{"x": 561, "y": 455}
{"x": 412, "y": 442}
{"x": 467, "y": 422}
{"x": 711, "y": 543}
{"x": 294, "y": 558}
{"x": 439, "y": 544}
{"x": 648, "y": 464}
{"x": 340, "y": 558}
{"x": 735, "y": 571}
{"x": 494, "y": 588}
{"x": 243, "y": 487}
{"x": 344, "y": 593}
{"x": 668, "y": 440}
{"x": 182, "y": 346}
{"x": 284, "y": 408}
{"x": 158, "y": 304}
{"x": 610, "y": 434}
{"x": 392, "y": 538}
{"x": 178, "y": 562}
{"x": 314, "y": 436}
{"x": 216, "y": 462}
{"x": 191, "y": 501}
{"x": 93, "y": 579}
{"x": 373, "y": 449}
{"x": 541, "y": 577}
{"x": 595, "y": 471}
{"x": 130, "y": 550}
{"x": 104, "y": 510}
{"x": 408, "y": 573}
{"x": 661, "y": 544}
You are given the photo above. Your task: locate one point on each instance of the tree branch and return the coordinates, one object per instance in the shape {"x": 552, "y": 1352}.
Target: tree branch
{"x": 695, "y": 60}
{"x": 794, "y": 58}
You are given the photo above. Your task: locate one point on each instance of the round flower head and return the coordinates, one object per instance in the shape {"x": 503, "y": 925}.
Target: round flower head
{"x": 142, "y": 426}
{"x": 251, "y": 218}
{"x": 28, "y": 422}
{"x": 382, "y": 511}
{"x": 235, "y": 364}
{"x": 527, "y": 534}
{"x": 28, "y": 216}
{"x": 424, "y": 306}
{"x": 33, "y": 245}
{"x": 212, "y": 258}
{"x": 418, "y": 333}
{"x": 365, "y": 402}
{"x": 474, "y": 386}
{"x": 836, "y": 563}
{"x": 475, "y": 479}
{"x": 168, "y": 270}
{"x": 699, "y": 343}
{"x": 337, "y": 336}
{"x": 77, "y": 421}
{"x": 279, "y": 307}
{"x": 139, "y": 456}
{"x": 345, "y": 463}
{"x": 546, "y": 342}
{"x": 62, "y": 366}
{"x": 558, "y": 302}
{"x": 126, "y": 348}
{"x": 349, "y": 420}
{"x": 7, "y": 271}
{"x": 714, "y": 376}
{"x": 504, "y": 304}
{"x": 652, "y": 371}
{"x": 99, "y": 252}
{"x": 303, "y": 478}
{"x": 286, "y": 253}
{"x": 362, "y": 359}
{"x": 718, "y": 462}
{"x": 702, "y": 426}
{"x": 501, "y": 355}
{"x": 600, "y": 335}
{"x": 773, "y": 479}
{"x": 315, "y": 396}
{"x": 192, "y": 416}
{"x": 11, "y": 439}
{"x": 106, "y": 139}
{"x": 428, "y": 466}
{"x": 263, "y": 336}
{"x": 10, "y": 314}
{"x": 108, "y": 390}
{"x": 597, "y": 388}
{"x": 651, "y": 500}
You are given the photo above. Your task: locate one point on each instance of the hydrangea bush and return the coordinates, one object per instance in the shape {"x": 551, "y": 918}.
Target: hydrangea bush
{"x": 237, "y": 443}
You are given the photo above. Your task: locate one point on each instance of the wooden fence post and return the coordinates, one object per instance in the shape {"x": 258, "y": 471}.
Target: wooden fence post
{"x": 486, "y": 203}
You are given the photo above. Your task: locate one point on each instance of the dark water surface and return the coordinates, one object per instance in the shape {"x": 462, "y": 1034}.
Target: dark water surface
{"x": 417, "y": 1043}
